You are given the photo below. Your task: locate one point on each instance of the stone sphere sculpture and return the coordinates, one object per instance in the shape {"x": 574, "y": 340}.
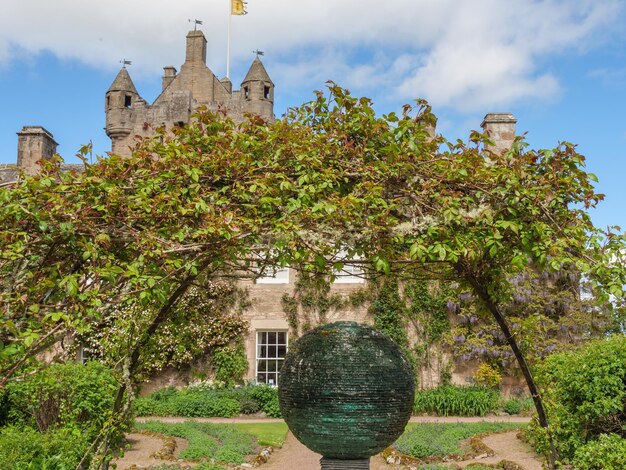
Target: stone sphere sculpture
{"x": 346, "y": 391}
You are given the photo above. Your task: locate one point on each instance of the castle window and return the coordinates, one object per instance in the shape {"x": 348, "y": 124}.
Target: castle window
{"x": 180, "y": 124}
{"x": 271, "y": 349}
{"x": 349, "y": 273}
{"x": 275, "y": 276}
{"x": 127, "y": 101}
{"x": 266, "y": 92}
{"x": 83, "y": 355}
{"x": 246, "y": 93}
{"x": 108, "y": 102}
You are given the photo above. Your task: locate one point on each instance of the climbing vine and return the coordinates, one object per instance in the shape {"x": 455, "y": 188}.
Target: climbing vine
{"x": 311, "y": 301}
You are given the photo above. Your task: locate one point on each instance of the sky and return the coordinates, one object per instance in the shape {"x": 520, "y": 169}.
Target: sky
{"x": 558, "y": 65}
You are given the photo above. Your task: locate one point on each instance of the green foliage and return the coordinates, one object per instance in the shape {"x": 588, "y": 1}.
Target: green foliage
{"x": 267, "y": 397}
{"x": 72, "y": 395}
{"x": 311, "y": 301}
{"x": 25, "y": 448}
{"x": 207, "y": 442}
{"x": 204, "y": 323}
{"x": 230, "y": 364}
{"x": 388, "y": 311}
{"x": 543, "y": 309}
{"x": 607, "y": 452}
{"x": 443, "y": 439}
{"x": 78, "y": 248}
{"x": 512, "y": 406}
{"x": 586, "y": 396}
{"x": 451, "y": 400}
{"x": 206, "y": 401}
{"x": 487, "y": 376}
{"x": 204, "y": 405}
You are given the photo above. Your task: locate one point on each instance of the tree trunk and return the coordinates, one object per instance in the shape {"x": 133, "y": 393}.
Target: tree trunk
{"x": 480, "y": 289}
{"x": 133, "y": 359}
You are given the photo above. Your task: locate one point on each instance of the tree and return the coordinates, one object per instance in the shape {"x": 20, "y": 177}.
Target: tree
{"x": 454, "y": 210}
{"x": 331, "y": 177}
{"x": 137, "y": 233}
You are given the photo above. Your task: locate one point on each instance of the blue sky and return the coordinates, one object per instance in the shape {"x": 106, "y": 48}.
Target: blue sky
{"x": 558, "y": 65}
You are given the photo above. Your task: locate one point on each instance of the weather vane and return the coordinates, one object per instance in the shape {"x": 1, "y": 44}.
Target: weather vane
{"x": 125, "y": 62}
{"x": 195, "y": 23}
{"x": 258, "y": 52}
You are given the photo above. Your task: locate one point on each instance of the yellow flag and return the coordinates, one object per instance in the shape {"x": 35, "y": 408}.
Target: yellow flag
{"x": 237, "y": 7}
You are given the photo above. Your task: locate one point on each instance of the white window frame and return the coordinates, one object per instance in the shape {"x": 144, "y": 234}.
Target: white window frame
{"x": 83, "y": 355}
{"x": 278, "y": 276}
{"x": 350, "y": 273}
{"x": 256, "y": 352}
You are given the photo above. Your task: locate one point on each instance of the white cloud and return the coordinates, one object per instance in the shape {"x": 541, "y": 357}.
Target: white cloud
{"x": 463, "y": 54}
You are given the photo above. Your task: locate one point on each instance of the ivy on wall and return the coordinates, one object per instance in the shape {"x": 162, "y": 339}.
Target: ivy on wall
{"x": 312, "y": 301}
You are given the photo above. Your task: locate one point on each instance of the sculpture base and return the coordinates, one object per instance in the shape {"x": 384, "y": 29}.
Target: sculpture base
{"x": 336, "y": 464}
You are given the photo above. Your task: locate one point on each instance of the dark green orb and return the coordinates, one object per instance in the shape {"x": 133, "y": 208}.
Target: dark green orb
{"x": 346, "y": 390}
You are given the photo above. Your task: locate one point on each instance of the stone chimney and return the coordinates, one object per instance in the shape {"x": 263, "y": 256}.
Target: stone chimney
{"x": 169, "y": 74}
{"x": 196, "y": 47}
{"x": 500, "y": 127}
{"x": 227, "y": 84}
{"x": 34, "y": 143}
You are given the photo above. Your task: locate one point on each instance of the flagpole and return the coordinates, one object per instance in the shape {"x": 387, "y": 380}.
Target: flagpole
{"x": 230, "y": 19}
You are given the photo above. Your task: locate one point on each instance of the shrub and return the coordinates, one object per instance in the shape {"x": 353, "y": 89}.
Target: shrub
{"x": 585, "y": 397}
{"x": 512, "y": 407}
{"x": 267, "y": 398}
{"x": 487, "y": 376}
{"x": 148, "y": 406}
{"x": 204, "y": 401}
{"x": 450, "y": 400}
{"x": 608, "y": 452}
{"x": 248, "y": 405}
{"x": 63, "y": 395}
{"x": 25, "y": 448}
{"x": 204, "y": 405}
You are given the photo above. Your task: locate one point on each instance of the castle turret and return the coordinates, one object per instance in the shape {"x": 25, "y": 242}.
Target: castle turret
{"x": 120, "y": 99}
{"x": 257, "y": 91}
{"x": 501, "y": 130}
{"x": 34, "y": 143}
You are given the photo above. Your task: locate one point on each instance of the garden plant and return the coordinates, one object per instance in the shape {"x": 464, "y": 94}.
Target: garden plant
{"x": 214, "y": 199}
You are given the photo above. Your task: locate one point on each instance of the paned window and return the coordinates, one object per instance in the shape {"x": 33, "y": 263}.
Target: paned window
{"x": 271, "y": 349}
{"x": 275, "y": 276}
{"x": 350, "y": 273}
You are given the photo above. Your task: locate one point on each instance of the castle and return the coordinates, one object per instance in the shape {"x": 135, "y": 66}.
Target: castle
{"x": 129, "y": 115}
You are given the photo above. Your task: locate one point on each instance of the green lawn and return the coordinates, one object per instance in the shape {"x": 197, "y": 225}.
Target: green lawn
{"x": 422, "y": 440}
{"x": 267, "y": 434}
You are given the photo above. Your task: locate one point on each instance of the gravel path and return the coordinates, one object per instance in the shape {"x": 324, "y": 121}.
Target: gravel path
{"x": 295, "y": 455}
{"x": 142, "y": 446}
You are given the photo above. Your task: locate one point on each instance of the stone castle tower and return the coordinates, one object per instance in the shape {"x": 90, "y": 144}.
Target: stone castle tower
{"x": 129, "y": 115}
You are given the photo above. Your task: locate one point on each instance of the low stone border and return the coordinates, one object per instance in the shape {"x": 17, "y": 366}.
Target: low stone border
{"x": 262, "y": 457}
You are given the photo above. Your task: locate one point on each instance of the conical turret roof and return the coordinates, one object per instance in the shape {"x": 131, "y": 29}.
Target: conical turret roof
{"x": 123, "y": 82}
{"x": 257, "y": 72}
